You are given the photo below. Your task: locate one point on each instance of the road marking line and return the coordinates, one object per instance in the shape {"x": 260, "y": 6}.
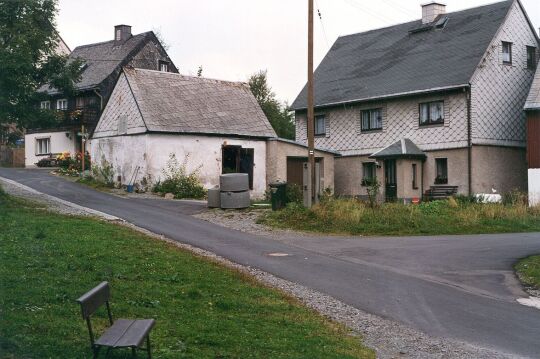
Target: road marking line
{"x": 104, "y": 215}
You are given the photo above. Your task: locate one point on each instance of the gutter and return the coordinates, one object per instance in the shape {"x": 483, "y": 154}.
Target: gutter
{"x": 399, "y": 94}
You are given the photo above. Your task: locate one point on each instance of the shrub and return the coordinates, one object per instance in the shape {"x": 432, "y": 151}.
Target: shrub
{"x": 514, "y": 197}
{"x": 73, "y": 163}
{"x": 104, "y": 172}
{"x": 294, "y": 194}
{"x": 179, "y": 182}
{"x": 372, "y": 192}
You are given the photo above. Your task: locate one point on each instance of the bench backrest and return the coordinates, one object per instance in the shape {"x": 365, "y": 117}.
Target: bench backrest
{"x": 95, "y": 298}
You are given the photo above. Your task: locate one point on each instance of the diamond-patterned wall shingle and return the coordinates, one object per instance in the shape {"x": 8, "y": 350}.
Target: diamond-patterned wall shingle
{"x": 400, "y": 120}
{"x": 121, "y": 105}
{"x": 499, "y": 91}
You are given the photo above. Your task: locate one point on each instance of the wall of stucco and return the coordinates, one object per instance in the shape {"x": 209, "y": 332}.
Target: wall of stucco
{"x": 60, "y": 142}
{"x": 151, "y": 152}
{"x": 501, "y": 168}
{"x": 457, "y": 169}
{"x": 348, "y": 175}
{"x": 534, "y": 186}
{"x": 276, "y": 162}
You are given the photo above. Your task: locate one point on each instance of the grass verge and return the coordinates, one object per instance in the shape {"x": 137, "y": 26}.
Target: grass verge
{"x": 528, "y": 271}
{"x": 349, "y": 216}
{"x": 203, "y": 310}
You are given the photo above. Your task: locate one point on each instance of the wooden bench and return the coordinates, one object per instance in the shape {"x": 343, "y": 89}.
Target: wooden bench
{"x": 440, "y": 192}
{"x": 122, "y": 333}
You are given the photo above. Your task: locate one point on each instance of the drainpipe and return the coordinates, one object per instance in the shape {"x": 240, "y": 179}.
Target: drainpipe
{"x": 100, "y": 100}
{"x": 469, "y": 139}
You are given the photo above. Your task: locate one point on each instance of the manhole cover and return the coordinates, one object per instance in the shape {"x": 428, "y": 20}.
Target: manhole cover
{"x": 278, "y": 254}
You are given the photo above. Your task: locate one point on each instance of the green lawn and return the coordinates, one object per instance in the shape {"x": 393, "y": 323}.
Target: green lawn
{"x": 528, "y": 270}
{"x": 202, "y": 309}
{"x": 349, "y": 216}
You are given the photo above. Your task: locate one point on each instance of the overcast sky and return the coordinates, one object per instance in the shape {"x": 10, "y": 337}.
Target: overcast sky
{"x": 232, "y": 39}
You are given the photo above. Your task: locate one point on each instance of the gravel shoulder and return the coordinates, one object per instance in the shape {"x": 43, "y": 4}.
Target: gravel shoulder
{"x": 388, "y": 338}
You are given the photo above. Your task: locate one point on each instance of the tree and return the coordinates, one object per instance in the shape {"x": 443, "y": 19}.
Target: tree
{"x": 28, "y": 60}
{"x": 279, "y": 115}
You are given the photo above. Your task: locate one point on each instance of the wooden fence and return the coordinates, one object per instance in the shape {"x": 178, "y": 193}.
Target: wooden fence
{"x": 11, "y": 157}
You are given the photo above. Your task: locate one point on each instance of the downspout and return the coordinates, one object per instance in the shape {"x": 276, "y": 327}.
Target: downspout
{"x": 469, "y": 139}
{"x": 100, "y": 100}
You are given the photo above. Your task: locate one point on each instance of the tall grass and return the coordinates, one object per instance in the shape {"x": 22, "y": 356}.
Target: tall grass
{"x": 453, "y": 216}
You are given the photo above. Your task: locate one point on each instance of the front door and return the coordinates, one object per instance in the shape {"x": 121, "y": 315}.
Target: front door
{"x": 390, "y": 180}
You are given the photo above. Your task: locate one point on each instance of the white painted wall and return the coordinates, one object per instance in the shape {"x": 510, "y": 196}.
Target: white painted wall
{"x": 60, "y": 142}
{"x": 534, "y": 186}
{"x": 151, "y": 152}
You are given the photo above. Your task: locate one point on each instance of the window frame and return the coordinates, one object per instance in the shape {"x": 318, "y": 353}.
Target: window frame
{"x": 163, "y": 63}
{"x": 61, "y": 100}
{"x": 441, "y": 179}
{"x": 38, "y": 147}
{"x": 315, "y": 119}
{"x": 366, "y": 180}
{"x": 414, "y": 176}
{"x": 430, "y": 121}
{"x": 509, "y": 44}
{"x": 370, "y": 112}
{"x": 47, "y": 107}
{"x": 531, "y": 57}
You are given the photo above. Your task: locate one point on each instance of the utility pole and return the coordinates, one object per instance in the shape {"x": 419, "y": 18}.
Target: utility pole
{"x": 83, "y": 140}
{"x": 310, "y": 105}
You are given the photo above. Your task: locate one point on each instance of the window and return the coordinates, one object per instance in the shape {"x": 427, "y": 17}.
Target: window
{"x": 43, "y": 146}
{"x": 320, "y": 125}
{"x": 369, "y": 175}
{"x": 507, "y": 53}
{"x": 531, "y": 57}
{"x": 79, "y": 102}
{"x": 45, "y": 105}
{"x": 163, "y": 66}
{"x": 61, "y": 104}
{"x": 371, "y": 119}
{"x": 432, "y": 113}
{"x": 441, "y": 165}
{"x": 118, "y": 35}
{"x": 414, "y": 177}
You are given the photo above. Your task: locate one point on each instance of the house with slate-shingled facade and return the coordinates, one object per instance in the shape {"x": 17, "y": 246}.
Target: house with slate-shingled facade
{"x": 212, "y": 126}
{"x": 102, "y": 64}
{"x": 450, "y": 85}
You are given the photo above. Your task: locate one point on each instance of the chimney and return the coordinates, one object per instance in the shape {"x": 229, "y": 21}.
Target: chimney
{"x": 431, "y": 11}
{"x": 122, "y": 33}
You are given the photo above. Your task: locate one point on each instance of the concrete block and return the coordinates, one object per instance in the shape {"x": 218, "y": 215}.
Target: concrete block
{"x": 235, "y": 200}
{"x": 214, "y": 198}
{"x": 234, "y": 182}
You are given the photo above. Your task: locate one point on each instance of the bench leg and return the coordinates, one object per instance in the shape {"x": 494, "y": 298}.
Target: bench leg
{"x": 148, "y": 347}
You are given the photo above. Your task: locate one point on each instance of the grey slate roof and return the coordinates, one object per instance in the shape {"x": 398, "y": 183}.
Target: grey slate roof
{"x": 176, "y": 103}
{"x": 533, "y": 100}
{"x": 391, "y": 61}
{"x": 402, "y": 148}
{"x": 101, "y": 60}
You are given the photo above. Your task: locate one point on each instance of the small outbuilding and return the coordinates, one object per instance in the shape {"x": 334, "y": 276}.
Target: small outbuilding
{"x": 212, "y": 126}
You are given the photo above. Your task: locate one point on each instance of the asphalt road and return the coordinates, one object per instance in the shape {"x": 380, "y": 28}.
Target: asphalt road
{"x": 459, "y": 287}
